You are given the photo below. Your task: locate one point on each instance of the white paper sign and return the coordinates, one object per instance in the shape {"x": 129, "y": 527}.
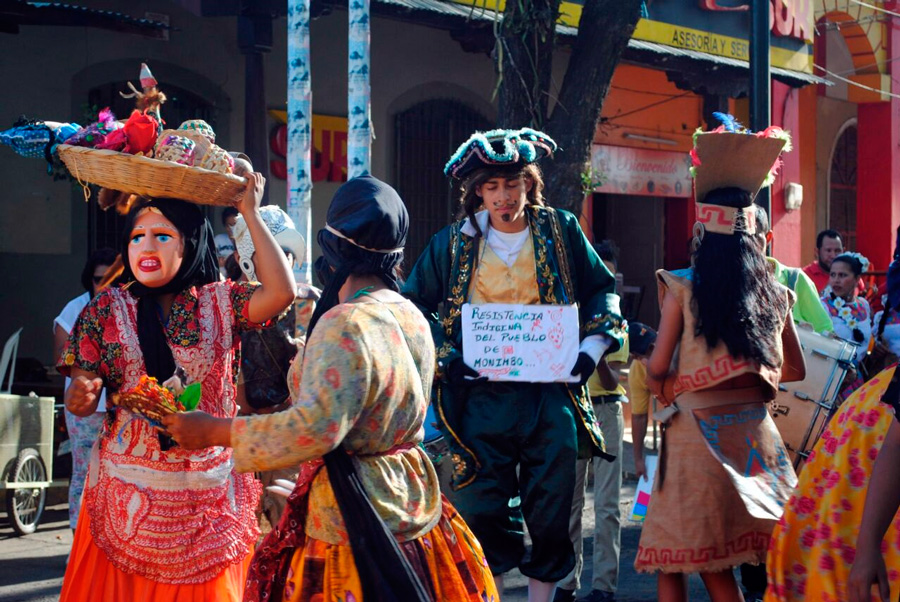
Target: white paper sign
{"x": 525, "y": 343}
{"x": 644, "y": 489}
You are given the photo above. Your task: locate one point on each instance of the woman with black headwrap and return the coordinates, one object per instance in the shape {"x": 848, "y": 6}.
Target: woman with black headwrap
{"x": 163, "y": 523}
{"x": 367, "y": 374}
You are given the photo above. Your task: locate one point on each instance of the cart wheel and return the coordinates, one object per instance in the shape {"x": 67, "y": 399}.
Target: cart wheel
{"x": 25, "y": 506}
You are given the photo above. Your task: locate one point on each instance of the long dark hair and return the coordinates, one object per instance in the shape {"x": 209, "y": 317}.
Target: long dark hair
{"x": 470, "y": 201}
{"x": 736, "y": 299}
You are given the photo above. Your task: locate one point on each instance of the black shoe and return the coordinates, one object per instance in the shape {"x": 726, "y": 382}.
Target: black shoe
{"x": 564, "y": 595}
{"x": 597, "y": 595}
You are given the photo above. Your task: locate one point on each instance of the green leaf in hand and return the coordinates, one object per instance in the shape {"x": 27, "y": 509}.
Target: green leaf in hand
{"x": 190, "y": 399}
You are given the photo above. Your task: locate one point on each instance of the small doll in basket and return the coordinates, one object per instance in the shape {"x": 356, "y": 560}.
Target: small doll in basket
{"x": 172, "y": 316}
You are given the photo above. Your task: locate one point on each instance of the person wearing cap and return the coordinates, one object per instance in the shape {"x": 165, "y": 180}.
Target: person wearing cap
{"x": 515, "y": 440}
{"x": 607, "y": 395}
{"x": 808, "y": 308}
{"x": 641, "y": 339}
{"x": 268, "y": 355}
{"x": 724, "y": 473}
{"x": 367, "y": 370}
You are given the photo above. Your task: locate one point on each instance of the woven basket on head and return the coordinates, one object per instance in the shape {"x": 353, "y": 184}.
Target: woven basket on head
{"x": 151, "y": 177}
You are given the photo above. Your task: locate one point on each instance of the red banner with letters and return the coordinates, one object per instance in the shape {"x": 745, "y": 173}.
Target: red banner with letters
{"x": 329, "y": 142}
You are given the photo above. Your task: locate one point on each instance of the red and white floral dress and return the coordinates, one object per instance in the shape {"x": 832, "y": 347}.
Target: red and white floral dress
{"x": 174, "y": 517}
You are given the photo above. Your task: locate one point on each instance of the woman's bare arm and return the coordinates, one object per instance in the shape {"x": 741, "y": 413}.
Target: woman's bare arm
{"x": 794, "y": 367}
{"x": 671, "y": 325}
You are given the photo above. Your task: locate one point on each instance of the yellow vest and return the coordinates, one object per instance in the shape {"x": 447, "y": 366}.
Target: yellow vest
{"x": 496, "y": 282}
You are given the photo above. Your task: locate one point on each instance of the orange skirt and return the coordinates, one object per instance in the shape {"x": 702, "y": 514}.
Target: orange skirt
{"x": 450, "y": 557}
{"x": 90, "y": 576}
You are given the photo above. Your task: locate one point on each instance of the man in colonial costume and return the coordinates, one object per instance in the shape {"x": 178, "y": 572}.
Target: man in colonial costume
{"x": 510, "y": 248}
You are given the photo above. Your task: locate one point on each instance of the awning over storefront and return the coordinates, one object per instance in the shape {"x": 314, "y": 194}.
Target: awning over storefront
{"x": 15, "y": 13}
{"x": 638, "y": 50}
{"x": 788, "y": 76}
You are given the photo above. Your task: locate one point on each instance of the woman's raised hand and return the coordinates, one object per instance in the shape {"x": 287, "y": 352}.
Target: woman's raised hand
{"x": 253, "y": 194}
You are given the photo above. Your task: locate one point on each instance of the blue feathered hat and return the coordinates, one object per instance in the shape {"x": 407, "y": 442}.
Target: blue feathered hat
{"x": 498, "y": 148}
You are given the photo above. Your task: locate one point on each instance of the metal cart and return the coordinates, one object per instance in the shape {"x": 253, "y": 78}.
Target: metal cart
{"x": 26, "y": 457}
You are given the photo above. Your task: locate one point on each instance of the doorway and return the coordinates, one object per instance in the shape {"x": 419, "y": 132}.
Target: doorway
{"x": 637, "y": 226}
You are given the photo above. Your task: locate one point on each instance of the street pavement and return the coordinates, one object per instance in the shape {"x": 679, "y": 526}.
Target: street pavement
{"x": 32, "y": 567}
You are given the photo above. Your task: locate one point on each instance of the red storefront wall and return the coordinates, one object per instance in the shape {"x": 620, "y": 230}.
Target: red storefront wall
{"x": 878, "y": 165}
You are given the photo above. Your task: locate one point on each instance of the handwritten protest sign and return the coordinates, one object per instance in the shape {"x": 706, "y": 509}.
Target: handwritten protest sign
{"x": 526, "y": 343}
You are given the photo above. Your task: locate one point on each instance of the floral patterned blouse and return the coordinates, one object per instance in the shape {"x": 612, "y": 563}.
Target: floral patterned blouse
{"x": 147, "y": 505}
{"x": 852, "y": 320}
{"x": 366, "y": 380}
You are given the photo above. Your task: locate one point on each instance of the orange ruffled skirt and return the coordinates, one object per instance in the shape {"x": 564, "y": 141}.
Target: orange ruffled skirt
{"x": 449, "y": 560}
{"x": 814, "y": 543}
{"x": 91, "y": 577}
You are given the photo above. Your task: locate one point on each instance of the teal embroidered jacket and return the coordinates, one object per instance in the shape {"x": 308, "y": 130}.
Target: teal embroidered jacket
{"x": 567, "y": 270}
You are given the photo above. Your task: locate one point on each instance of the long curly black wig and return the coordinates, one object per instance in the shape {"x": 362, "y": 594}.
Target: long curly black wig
{"x": 736, "y": 299}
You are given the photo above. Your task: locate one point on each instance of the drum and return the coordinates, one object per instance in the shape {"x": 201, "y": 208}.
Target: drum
{"x": 802, "y": 409}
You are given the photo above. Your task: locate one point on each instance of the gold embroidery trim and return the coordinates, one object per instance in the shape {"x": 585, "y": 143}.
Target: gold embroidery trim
{"x": 617, "y": 323}
{"x": 589, "y": 428}
{"x": 542, "y": 266}
{"x": 456, "y": 458}
{"x": 562, "y": 255}
{"x": 458, "y": 291}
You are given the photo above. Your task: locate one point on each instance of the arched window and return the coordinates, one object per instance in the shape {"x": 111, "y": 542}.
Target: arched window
{"x": 842, "y": 188}
{"x": 426, "y": 135}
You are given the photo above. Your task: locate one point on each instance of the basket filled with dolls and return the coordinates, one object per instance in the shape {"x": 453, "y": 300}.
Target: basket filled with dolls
{"x": 140, "y": 155}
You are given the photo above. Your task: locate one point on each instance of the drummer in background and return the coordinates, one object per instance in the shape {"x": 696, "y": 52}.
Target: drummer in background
{"x": 808, "y": 307}
{"x": 850, "y": 313}
{"x": 641, "y": 339}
